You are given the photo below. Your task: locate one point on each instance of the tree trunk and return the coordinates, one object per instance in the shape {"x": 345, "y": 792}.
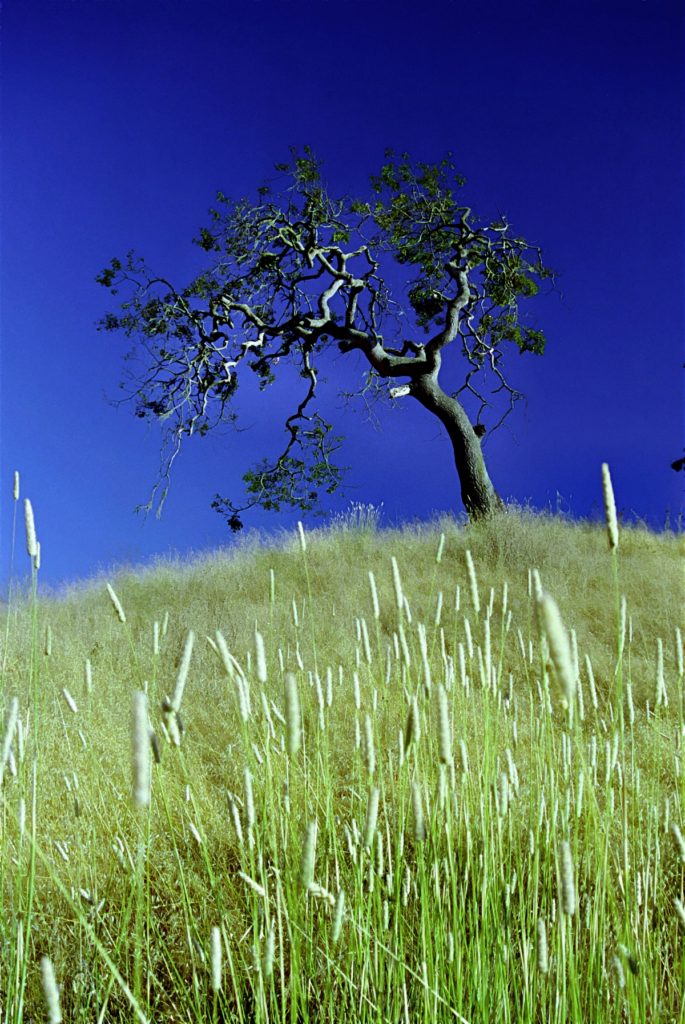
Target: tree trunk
{"x": 477, "y": 492}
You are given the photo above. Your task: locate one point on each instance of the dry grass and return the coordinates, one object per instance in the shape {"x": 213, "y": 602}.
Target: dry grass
{"x": 351, "y": 865}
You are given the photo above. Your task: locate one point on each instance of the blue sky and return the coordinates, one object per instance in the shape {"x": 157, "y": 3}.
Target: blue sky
{"x": 122, "y": 120}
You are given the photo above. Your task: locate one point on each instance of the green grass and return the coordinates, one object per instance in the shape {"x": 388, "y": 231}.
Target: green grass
{"x": 435, "y": 849}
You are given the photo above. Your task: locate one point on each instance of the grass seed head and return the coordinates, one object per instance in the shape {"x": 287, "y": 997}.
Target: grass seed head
{"x": 10, "y": 728}
{"x": 260, "y": 656}
{"x": 444, "y": 731}
{"x": 502, "y": 794}
{"x": 568, "y": 886}
{"x": 559, "y": 647}
{"x": 397, "y": 583}
{"x": 618, "y": 971}
{"x": 680, "y": 911}
{"x": 216, "y": 954}
{"x": 50, "y": 990}
{"x": 267, "y": 964}
{"x": 417, "y": 811}
{"x": 71, "y": 703}
{"x": 463, "y": 754}
{"x": 30, "y": 527}
{"x": 320, "y": 892}
{"x": 15, "y": 488}
{"x": 243, "y": 696}
{"x": 679, "y": 841}
{"x": 171, "y": 728}
{"x": 542, "y": 951}
{"x": 308, "y": 857}
{"x": 182, "y": 675}
{"x": 237, "y": 823}
{"x": 338, "y": 916}
{"x": 473, "y": 582}
{"x": 609, "y": 507}
{"x": 292, "y": 715}
{"x": 369, "y": 745}
{"x": 661, "y": 696}
{"x": 226, "y": 657}
{"x": 374, "y": 597}
{"x": 116, "y": 603}
{"x": 255, "y": 886}
{"x": 406, "y": 886}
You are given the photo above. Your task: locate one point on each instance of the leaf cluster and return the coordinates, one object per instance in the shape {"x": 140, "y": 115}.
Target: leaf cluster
{"x": 421, "y": 222}
{"x": 290, "y": 480}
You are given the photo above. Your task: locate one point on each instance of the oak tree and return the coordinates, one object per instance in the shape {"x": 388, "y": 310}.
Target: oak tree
{"x": 296, "y": 275}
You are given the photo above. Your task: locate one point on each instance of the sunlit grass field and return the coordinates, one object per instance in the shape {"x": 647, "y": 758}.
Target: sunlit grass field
{"x": 419, "y": 775}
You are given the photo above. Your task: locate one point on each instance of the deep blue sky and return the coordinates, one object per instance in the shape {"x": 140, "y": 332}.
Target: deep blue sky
{"x": 121, "y": 120}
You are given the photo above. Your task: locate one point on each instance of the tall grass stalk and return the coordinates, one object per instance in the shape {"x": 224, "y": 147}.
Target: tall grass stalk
{"x": 141, "y": 798}
{"x": 613, "y": 537}
{"x": 5, "y": 647}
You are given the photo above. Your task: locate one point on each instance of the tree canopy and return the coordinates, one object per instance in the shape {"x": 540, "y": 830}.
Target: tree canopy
{"x": 296, "y": 273}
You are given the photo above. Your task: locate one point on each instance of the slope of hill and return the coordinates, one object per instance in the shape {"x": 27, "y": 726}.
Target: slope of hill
{"x": 430, "y": 774}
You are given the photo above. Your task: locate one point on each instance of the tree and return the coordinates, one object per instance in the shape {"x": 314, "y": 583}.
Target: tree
{"x": 298, "y": 274}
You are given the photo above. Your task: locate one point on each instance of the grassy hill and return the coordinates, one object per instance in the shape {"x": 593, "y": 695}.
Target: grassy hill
{"x": 403, "y": 791}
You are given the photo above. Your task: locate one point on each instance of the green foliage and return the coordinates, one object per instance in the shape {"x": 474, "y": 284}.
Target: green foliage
{"x": 507, "y": 328}
{"x": 426, "y": 303}
{"x": 107, "y": 276}
{"x": 422, "y": 225}
{"x": 508, "y": 276}
{"x": 297, "y": 481}
{"x": 207, "y": 241}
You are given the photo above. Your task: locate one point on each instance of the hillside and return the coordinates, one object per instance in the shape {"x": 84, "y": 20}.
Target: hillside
{"x": 402, "y": 791}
